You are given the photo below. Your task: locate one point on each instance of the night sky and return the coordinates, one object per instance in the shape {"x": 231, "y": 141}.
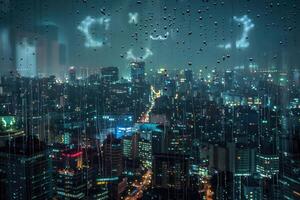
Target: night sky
{"x": 195, "y": 27}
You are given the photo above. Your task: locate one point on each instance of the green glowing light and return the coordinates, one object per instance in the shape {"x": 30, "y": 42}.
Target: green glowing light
{"x": 7, "y": 123}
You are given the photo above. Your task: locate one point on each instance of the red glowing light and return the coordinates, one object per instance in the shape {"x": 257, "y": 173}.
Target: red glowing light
{"x": 72, "y": 155}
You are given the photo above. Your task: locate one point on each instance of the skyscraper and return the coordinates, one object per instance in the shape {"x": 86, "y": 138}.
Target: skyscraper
{"x": 267, "y": 165}
{"x": 229, "y": 79}
{"x": 72, "y": 74}
{"x": 110, "y": 74}
{"x": 251, "y": 189}
{"x": 145, "y": 152}
{"x": 26, "y": 59}
{"x": 171, "y": 171}
{"x": 137, "y": 70}
{"x": 52, "y": 53}
{"x": 112, "y": 153}
{"x": 74, "y": 175}
{"x": 26, "y": 164}
{"x": 5, "y": 49}
{"x": 127, "y": 147}
{"x": 290, "y": 174}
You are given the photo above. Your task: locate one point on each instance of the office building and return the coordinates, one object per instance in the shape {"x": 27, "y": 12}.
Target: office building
{"x": 72, "y": 75}
{"x": 26, "y": 59}
{"x": 110, "y": 74}
{"x": 267, "y": 165}
{"x": 137, "y": 70}
{"x": 171, "y": 171}
{"x": 26, "y": 165}
{"x": 73, "y": 177}
{"x": 145, "y": 153}
{"x": 113, "y": 159}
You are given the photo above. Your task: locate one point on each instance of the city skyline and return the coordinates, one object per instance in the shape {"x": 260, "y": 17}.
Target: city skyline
{"x": 148, "y": 99}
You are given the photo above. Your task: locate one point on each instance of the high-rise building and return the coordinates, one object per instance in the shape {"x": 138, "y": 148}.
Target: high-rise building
{"x": 241, "y": 164}
{"x": 26, "y": 59}
{"x": 267, "y": 165}
{"x": 218, "y": 158}
{"x": 145, "y": 153}
{"x": 52, "y": 53}
{"x": 222, "y": 184}
{"x": 137, "y": 70}
{"x": 129, "y": 153}
{"x": 70, "y": 184}
{"x": 171, "y": 171}
{"x": 112, "y": 153}
{"x": 73, "y": 178}
{"x": 26, "y": 165}
{"x": 127, "y": 147}
{"x": 251, "y": 189}
{"x": 241, "y": 159}
{"x": 110, "y": 74}
{"x": 153, "y": 133}
{"x": 229, "y": 79}
{"x": 178, "y": 142}
{"x": 83, "y": 73}
{"x": 111, "y": 187}
{"x": 3, "y": 178}
{"x": 290, "y": 179}
{"x": 5, "y": 48}
{"x": 72, "y": 74}
{"x": 99, "y": 192}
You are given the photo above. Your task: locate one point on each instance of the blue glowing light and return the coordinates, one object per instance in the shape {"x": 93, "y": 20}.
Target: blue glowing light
{"x": 133, "y": 18}
{"x": 123, "y": 131}
{"x": 85, "y": 26}
{"x": 131, "y": 56}
{"x": 160, "y": 37}
{"x": 148, "y": 127}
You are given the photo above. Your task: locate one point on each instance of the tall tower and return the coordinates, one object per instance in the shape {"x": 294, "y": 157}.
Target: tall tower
{"x": 26, "y": 59}
{"x": 137, "y": 70}
{"x": 229, "y": 79}
{"x": 112, "y": 153}
{"x": 72, "y": 74}
{"x": 52, "y": 53}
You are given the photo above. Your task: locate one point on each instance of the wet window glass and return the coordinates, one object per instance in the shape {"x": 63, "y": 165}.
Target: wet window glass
{"x": 149, "y": 99}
